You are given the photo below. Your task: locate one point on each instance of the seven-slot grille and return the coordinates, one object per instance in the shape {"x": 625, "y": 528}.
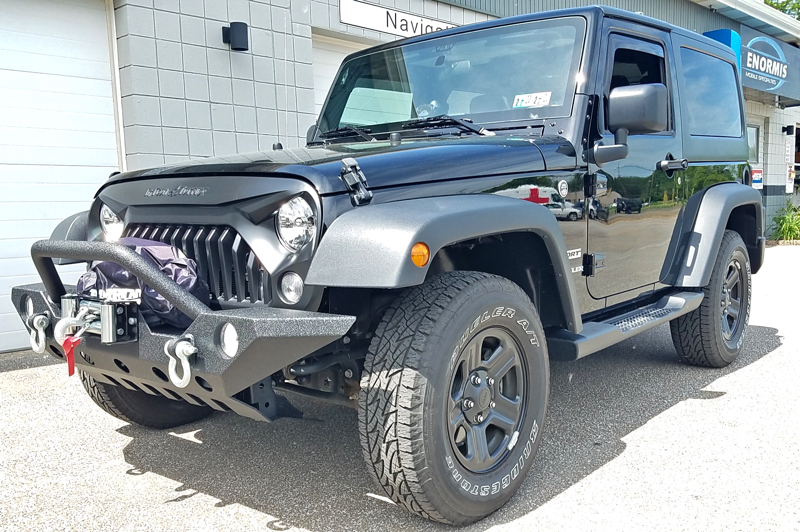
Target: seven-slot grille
{"x": 222, "y": 256}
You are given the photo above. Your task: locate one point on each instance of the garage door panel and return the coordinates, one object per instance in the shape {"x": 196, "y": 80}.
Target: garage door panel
{"x": 18, "y": 339}
{"x": 7, "y": 283}
{"x": 46, "y": 192}
{"x": 15, "y": 41}
{"x": 10, "y": 79}
{"x": 32, "y": 62}
{"x": 53, "y": 101}
{"x": 67, "y": 156}
{"x": 79, "y": 21}
{"x": 43, "y": 174}
{"x": 56, "y": 119}
{"x": 53, "y": 138}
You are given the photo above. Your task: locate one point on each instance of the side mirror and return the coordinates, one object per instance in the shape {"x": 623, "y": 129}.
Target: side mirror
{"x": 636, "y": 110}
{"x": 311, "y": 133}
{"x": 640, "y": 109}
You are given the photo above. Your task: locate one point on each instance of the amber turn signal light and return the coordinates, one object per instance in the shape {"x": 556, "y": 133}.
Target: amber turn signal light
{"x": 420, "y": 254}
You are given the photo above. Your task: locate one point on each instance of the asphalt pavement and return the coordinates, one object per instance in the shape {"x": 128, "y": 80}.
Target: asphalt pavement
{"x": 634, "y": 440}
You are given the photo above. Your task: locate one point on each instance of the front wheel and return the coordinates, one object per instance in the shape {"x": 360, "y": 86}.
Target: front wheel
{"x": 712, "y": 335}
{"x": 572, "y": 217}
{"x": 150, "y": 411}
{"x": 453, "y": 396}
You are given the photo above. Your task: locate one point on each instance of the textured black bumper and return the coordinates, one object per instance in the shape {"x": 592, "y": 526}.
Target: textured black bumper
{"x": 269, "y": 338}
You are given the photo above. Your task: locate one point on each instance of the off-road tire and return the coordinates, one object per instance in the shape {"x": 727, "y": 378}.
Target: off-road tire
{"x": 698, "y": 336}
{"x": 407, "y": 381}
{"x": 140, "y": 408}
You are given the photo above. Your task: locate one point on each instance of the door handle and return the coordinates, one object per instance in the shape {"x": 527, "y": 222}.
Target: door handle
{"x": 673, "y": 165}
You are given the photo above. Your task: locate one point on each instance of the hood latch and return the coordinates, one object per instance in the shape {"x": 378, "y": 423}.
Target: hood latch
{"x": 355, "y": 181}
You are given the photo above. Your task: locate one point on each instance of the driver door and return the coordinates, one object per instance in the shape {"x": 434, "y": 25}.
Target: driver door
{"x": 635, "y": 241}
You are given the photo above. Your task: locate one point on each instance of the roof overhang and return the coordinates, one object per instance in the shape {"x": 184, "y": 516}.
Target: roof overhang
{"x": 759, "y": 16}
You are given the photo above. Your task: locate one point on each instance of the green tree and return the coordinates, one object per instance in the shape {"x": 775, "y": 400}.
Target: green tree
{"x": 790, "y": 7}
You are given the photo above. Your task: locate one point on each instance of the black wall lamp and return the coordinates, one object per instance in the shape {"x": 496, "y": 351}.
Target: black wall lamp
{"x": 789, "y": 130}
{"x": 236, "y": 36}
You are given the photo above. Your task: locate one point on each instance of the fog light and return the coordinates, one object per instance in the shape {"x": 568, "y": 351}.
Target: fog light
{"x": 292, "y": 287}
{"x": 229, "y": 340}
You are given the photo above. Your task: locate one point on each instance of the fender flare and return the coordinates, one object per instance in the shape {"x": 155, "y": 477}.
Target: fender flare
{"x": 704, "y": 224}
{"x": 370, "y": 246}
{"x": 72, "y": 228}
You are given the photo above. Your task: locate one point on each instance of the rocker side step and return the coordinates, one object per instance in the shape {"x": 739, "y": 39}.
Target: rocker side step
{"x": 597, "y": 335}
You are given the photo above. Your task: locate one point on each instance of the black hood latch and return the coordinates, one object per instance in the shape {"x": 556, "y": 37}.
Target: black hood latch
{"x": 355, "y": 181}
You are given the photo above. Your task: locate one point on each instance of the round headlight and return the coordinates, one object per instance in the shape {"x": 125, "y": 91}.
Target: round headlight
{"x": 296, "y": 224}
{"x": 291, "y": 287}
{"x": 110, "y": 224}
{"x": 229, "y": 340}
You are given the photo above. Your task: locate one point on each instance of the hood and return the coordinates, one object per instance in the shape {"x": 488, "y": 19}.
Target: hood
{"x": 413, "y": 161}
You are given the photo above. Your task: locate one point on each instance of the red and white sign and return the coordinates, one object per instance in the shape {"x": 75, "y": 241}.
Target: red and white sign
{"x": 758, "y": 179}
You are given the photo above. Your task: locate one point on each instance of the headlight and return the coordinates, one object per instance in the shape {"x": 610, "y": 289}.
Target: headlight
{"x": 110, "y": 224}
{"x": 296, "y": 224}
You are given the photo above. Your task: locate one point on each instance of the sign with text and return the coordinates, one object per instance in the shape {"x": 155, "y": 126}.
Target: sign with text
{"x": 758, "y": 179}
{"x": 387, "y": 20}
{"x": 770, "y": 65}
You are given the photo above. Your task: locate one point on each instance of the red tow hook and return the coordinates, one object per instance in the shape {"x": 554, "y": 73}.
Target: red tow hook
{"x": 69, "y": 345}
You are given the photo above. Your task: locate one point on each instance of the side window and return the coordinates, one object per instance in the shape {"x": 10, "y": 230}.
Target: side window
{"x": 635, "y": 62}
{"x": 712, "y": 95}
{"x": 752, "y": 141}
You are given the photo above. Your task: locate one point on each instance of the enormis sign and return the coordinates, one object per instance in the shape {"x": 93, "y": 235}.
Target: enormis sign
{"x": 387, "y": 20}
{"x": 770, "y": 65}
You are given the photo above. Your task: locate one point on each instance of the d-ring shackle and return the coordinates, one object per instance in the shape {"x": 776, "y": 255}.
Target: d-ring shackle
{"x": 178, "y": 351}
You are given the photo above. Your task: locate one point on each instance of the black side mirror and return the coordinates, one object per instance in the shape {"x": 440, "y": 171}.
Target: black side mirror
{"x": 636, "y": 110}
{"x": 312, "y": 131}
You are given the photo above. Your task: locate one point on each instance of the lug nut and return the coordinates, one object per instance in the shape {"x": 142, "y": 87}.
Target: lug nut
{"x": 490, "y": 381}
{"x": 468, "y": 403}
{"x": 476, "y": 380}
{"x": 492, "y": 405}
{"x": 479, "y": 418}
{"x": 348, "y": 373}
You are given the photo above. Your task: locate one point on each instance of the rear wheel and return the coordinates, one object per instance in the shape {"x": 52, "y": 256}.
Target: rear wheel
{"x": 572, "y": 216}
{"x": 140, "y": 408}
{"x": 454, "y": 395}
{"x": 713, "y": 334}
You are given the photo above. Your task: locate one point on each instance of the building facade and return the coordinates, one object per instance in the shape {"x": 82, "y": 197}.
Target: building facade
{"x": 88, "y": 87}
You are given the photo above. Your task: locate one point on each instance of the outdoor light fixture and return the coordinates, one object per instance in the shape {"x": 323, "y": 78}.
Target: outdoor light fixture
{"x": 789, "y": 130}
{"x": 236, "y": 36}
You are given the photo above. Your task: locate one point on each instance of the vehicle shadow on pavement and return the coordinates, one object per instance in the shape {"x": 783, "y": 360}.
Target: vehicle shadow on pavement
{"x": 309, "y": 473}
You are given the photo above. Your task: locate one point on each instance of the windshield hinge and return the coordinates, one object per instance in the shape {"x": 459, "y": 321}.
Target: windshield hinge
{"x": 355, "y": 181}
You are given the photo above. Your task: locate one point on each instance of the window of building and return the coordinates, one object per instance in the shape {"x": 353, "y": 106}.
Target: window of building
{"x": 752, "y": 142}
{"x": 712, "y": 98}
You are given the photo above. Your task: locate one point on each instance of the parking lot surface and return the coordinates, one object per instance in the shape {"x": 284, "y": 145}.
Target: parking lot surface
{"x": 634, "y": 441}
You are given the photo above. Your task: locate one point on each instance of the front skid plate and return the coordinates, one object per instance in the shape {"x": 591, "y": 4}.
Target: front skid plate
{"x": 269, "y": 340}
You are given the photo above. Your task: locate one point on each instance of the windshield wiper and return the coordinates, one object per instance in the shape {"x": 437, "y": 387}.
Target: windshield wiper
{"x": 447, "y": 121}
{"x": 346, "y": 131}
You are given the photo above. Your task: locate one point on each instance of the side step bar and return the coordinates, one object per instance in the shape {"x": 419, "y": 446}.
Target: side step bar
{"x": 597, "y": 335}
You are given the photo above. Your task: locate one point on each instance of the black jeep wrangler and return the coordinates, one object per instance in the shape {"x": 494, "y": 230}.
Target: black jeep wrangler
{"x": 391, "y": 266}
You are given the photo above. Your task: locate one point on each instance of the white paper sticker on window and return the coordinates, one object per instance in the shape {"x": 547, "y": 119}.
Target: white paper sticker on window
{"x": 534, "y": 99}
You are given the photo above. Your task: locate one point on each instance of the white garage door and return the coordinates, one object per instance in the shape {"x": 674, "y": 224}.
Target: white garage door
{"x": 328, "y": 56}
{"x": 57, "y": 131}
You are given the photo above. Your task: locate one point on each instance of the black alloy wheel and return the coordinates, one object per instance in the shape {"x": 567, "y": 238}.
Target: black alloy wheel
{"x": 731, "y": 300}
{"x": 487, "y": 399}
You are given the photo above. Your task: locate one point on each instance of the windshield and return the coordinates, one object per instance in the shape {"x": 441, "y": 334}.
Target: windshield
{"x": 516, "y": 72}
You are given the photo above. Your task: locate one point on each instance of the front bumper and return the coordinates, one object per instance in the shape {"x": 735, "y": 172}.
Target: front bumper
{"x": 269, "y": 338}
